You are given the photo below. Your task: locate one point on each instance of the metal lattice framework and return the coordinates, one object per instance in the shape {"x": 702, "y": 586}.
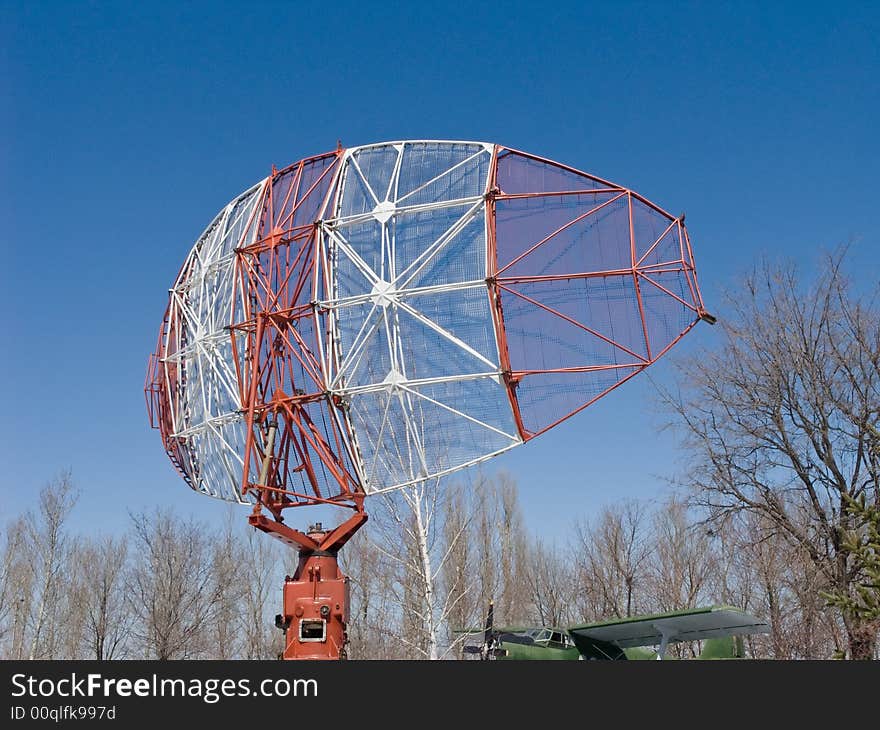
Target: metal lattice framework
{"x": 372, "y": 317}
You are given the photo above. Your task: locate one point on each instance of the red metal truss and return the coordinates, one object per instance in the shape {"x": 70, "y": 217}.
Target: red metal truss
{"x": 308, "y": 460}
{"x": 273, "y": 331}
{"x": 563, "y": 243}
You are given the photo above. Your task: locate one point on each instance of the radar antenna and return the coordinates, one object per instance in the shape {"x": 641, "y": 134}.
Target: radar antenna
{"x": 373, "y": 317}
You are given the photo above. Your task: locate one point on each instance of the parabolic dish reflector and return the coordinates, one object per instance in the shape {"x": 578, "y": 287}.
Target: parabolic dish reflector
{"x": 402, "y": 310}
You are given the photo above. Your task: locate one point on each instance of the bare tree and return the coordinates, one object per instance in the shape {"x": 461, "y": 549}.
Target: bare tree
{"x": 47, "y": 543}
{"x": 736, "y": 579}
{"x": 375, "y": 611}
{"x": 459, "y": 578}
{"x": 485, "y": 538}
{"x": 227, "y": 587}
{"x": 407, "y": 528}
{"x": 513, "y": 550}
{"x": 611, "y": 557}
{"x": 174, "y": 592}
{"x": 260, "y": 577}
{"x": 101, "y": 587}
{"x": 779, "y": 420}
{"x": 498, "y": 548}
{"x": 551, "y": 585}
{"x": 681, "y": 565}
{"x": 778, "y": 581}
{"x": 16, "y": 585}
{"x": 7, "y": 560}
{"x": 682, "y": 561}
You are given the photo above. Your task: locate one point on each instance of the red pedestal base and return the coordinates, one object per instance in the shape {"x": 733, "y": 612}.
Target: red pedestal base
{"x": 315, "y": 609}
{"x": 316, "y": 603}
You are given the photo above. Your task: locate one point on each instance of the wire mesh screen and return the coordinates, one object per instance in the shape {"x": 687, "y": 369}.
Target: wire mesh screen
{"x": 196, "y": 379}
{"x": 414, "y": 353}
{"x": 591, "y": 282}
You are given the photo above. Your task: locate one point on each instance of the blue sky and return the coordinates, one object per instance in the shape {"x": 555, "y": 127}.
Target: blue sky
{"x": 125, "y": 128}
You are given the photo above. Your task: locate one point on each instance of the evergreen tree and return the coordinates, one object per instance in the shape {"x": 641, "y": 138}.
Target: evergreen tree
{"x": 863, "y": 543}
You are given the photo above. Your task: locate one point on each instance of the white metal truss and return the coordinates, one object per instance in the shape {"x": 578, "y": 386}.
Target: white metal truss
{"x": 411, "y": 348}
{"x": 200, "y": 375}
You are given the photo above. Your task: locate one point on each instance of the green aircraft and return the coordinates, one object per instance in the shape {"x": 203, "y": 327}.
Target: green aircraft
{"x": 720, "y": 628}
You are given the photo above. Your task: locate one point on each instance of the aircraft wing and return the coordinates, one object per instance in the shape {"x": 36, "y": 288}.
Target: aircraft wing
{"x": 609, "y": 637}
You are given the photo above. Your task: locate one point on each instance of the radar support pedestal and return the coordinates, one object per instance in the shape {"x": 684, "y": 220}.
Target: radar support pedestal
{"x": 316, "y": 598}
